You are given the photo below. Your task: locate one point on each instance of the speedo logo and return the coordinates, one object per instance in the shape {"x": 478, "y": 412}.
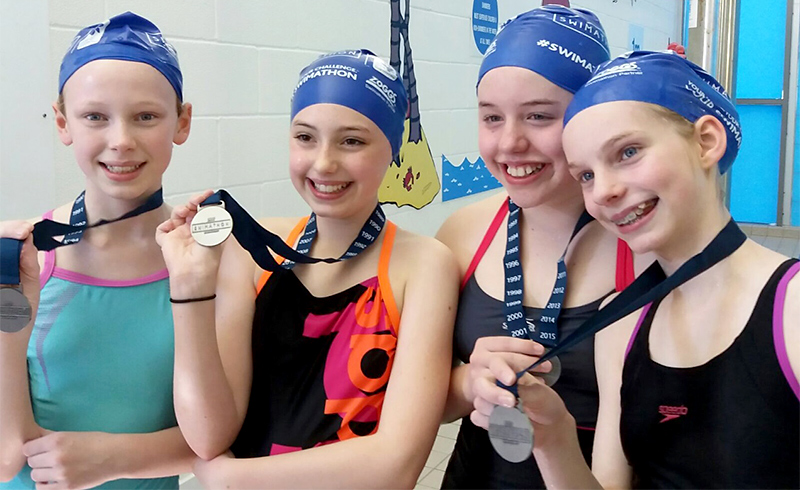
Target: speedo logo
{"x": 566, "y": 53}
{"x": 671, "y": 413}
{"x": 380, "y": 88}
{"x": 630, "y": 68}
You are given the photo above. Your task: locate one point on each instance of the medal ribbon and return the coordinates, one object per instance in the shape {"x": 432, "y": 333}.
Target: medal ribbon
{"x": 651, "y": 286}
{"x": 45, "y": 230}
{"x": 259, "y": 241}
{"x": 15, "y": 312}
{"x": 547, "y": 333}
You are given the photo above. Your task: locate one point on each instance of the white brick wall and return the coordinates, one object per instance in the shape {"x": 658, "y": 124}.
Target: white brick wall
{"x": 240, "y": 60}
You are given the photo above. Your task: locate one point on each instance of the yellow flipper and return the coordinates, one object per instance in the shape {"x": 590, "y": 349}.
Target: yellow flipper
{"x": 415, "y": 182}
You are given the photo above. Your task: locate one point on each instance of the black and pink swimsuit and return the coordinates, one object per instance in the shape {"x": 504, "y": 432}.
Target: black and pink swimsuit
{"x": 733, "y": 422}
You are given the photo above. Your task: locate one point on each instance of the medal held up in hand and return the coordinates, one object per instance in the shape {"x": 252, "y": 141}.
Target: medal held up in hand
{"x": 212, "y": 225}
{"x": 511, "y": 433}
{"x": 15, "y": 310}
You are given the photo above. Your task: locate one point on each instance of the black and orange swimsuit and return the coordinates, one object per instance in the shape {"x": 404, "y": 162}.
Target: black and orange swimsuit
{"x": 320, "y": 365}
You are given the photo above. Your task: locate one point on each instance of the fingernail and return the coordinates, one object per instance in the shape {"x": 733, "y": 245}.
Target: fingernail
{"x": 508, "y": 401}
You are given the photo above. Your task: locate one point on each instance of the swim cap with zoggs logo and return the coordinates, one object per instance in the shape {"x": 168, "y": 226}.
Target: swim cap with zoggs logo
{"x": 358, "y": 80}
{"x": 127, "y": 37}
{"x": 561, "y": 44}
{"x": 667, "y": 80}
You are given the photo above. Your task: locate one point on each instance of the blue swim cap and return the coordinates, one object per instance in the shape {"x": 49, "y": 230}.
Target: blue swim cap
{"x": 667, "y": 80}
{"x": 361, "y": 81}
{"x": 127, "y": 37}
{"x": 561, "y": 44}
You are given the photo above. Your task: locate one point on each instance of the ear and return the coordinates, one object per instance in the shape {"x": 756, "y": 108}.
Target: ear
{"x": 184, "y": 125}
{"x": 61, "y": 125}
{"x": 710, "y": 134}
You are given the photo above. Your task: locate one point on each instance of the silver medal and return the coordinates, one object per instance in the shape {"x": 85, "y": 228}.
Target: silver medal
{"x": 511, "y": 433}
{"x": 555, "y": 372}
{"x": 15, "y": 311}
{"x": 211, "y": 225}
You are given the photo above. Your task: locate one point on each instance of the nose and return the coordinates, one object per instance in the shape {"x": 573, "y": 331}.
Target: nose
{"x": 606, "y": 188}
{"x": 512, "y": 138}
{"x": 121, "y": 137}
{"x": 327, "y": 159}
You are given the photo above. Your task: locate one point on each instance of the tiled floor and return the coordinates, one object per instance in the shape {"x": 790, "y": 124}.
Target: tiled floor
{"x": 431, "y": 476}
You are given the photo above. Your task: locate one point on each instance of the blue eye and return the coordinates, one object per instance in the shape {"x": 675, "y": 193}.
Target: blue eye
{"x": 585, "y": 177}
{"x": 93, "y": 117}
{"x": 147, "y": 117}
{"x": 629, "y": 152}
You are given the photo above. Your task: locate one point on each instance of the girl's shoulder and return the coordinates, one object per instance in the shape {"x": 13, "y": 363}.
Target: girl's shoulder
{"x": 423, "y": 274}
{"x": 417, "y": 257}
{"x": 59, "y": 214}
{"x": 463, "y": 230}
{"x": 280, "y": 226}
{"x": 409, "y": 245}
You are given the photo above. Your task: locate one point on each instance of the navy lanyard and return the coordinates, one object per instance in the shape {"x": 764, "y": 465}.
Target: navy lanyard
{"x": 259, "y": 241}
{"x": 547, "y": 333}
{"x": 651, "y": 286}
{"x": 15, "y": 310}
{"x": 45, "y": 230}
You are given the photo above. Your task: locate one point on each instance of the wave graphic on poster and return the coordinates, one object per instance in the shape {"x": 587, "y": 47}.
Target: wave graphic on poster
{"x": 465, "y": 179}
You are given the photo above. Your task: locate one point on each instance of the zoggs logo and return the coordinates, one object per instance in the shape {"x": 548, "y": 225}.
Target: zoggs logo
{"x": 383, "y": 90}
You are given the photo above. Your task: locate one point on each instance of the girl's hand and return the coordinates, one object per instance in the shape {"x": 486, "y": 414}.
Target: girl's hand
{"x": 546, "y": 411}
{"x": 71, "y": 460}
{"x": 28, "y": 261}
{"x": 192, "y": 267}
{"x": 493, "y": 359}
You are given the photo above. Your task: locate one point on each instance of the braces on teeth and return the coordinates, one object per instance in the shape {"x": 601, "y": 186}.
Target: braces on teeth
{"x": 636, "y": 213}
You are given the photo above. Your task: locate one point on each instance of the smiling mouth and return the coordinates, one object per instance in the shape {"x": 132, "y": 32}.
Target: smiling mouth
{"x": 637, "y": 213}
{"x": 330, "y": 189}
{"x": 524, "y": 170}
{"x": 122, "y": 169}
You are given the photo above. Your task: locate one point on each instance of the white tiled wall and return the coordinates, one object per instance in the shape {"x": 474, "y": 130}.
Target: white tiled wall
{"x": 240, "y": 59}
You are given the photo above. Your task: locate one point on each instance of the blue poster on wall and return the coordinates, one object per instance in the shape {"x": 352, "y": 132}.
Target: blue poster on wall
{"x": 466, "y": 179}
{"x": 484, "y": 23}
